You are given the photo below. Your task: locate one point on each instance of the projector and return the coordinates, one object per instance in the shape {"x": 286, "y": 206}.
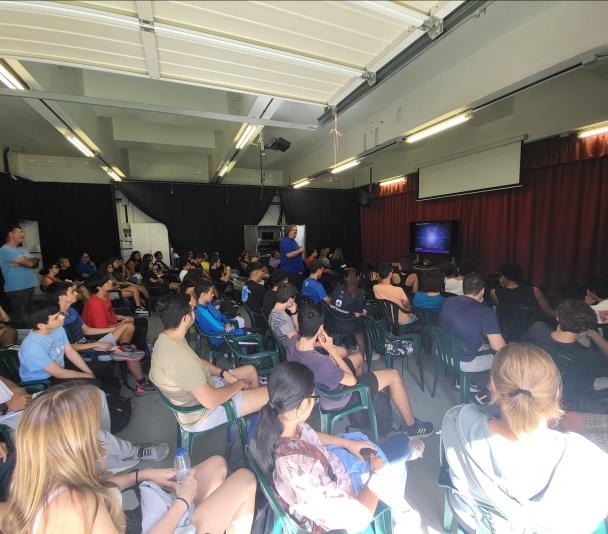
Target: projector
{"x": 278, "y": 143}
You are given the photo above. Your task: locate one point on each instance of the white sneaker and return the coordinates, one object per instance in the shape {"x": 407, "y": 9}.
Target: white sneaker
{"x": 156, "y": 453}
{"x": 122, "y": 465}
{"x": 417, "y": 446}
{"x": 141, "y": 311}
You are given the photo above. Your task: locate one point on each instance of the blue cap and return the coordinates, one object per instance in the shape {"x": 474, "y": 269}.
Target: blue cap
{"x": 180, "y": 451}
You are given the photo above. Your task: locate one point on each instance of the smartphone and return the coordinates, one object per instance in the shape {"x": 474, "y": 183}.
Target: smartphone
{"x": 367, "y": 452}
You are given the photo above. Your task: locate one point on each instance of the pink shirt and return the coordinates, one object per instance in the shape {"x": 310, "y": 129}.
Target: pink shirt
{"x": 394, "y": 294}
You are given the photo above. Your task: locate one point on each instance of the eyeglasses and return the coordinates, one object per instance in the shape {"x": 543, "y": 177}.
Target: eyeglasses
{"x": 315, "y": 397}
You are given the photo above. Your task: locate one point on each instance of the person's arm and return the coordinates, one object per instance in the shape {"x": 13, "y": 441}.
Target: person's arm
{"x": 496, "y": 341}
{"x": 4, "y": 318}
{"x": 15, "y": 389}
{"x": 412, "y": 281}
{"x": 59, "y": 372}
{"x": 94, "y": 345}
{"x": 90, "y": 331}
{"x": 124, "y": 318}
{"x": 543, "y": 304}
{"x": 211, "y": 397}
{"x": 77, "y": 360}
{"x": 24, "y": 261}
{"x": 599, "y": 340}
{"x": 327, "y": 343}
{"x": 494, "y": 297}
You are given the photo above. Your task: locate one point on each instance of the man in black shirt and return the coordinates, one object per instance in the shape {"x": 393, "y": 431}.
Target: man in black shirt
{"x": 254, "y": 291}
{"x": 277, "y": 278}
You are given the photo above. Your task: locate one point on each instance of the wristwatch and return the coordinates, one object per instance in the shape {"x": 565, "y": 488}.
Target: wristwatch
{"x": 222, "y": 373}
{"x": 3, "y": 408}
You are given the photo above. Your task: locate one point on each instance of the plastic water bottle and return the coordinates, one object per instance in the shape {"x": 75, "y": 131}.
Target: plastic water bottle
{"x": 181, "y": 465}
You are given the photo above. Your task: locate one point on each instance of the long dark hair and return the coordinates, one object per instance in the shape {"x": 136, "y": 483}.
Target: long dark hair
{"x": 289, "y": 384}
{"x": 145, "y": 262}
{"x": 351, "y": 282}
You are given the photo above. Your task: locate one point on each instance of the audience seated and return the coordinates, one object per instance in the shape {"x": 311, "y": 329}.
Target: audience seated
{"x": 8, "y": 335}
{"x": 324, "y": 257}
{"x": 66, "y": 271}
{"x": 85, "y": 266}
{"x": 347, "y": 305}
{"x": 333, "y": 372}
{"x": 537, "y": 479}
{"x": 244, "y": 260}
{"x": 120, "y": 275}
{"x": 160, "y": 267}
{"x": 49, "y": 276}
{"x": 187, "y": 380}
{"x": 511, "y": 291}
{"x": 218, "y": 271}
{"x": 133, "y": 265}
{"x": 154, "y": 278}
{"x": 312, "y": 288}
{"x": 253, "y": 291}
{"x": 275, "y": 260}
{"x": 63, "y": 489}
{"x": 384, "y": 290}
{"x": 17, "y": 266}
{"x": 453, "y": 280}
{"x": 283, "y": 319}
{"x": 98, "y": 313}
{"x": 430, "y": 297}
{"x": 270, "y": 297}
{"x": 471, "y": 321}
{"x": 324, "y": 481}
{"x": 312, "y": 257}
{"x": 597, "y": 297}
{"x": 336, "y": 260}
{"x": 125, "y": 289}
{"x": 573, "y": 318}
{"x": 406, "y": 277}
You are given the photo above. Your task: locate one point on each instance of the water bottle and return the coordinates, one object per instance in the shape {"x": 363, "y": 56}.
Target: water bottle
{"x": 181, "y": 465}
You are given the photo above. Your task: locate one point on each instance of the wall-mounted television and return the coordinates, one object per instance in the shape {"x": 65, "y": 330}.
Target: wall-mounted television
{"x": 433, "y": 237}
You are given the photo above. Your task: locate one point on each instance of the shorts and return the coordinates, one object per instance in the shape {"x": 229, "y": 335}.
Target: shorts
{"x": 369, "y": 379}
{"x": 217, "y": 416}
{"x": 106, "y": 338}
{"x": 482, "y": 362}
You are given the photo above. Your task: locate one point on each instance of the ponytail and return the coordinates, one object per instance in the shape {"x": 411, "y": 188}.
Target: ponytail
{"x": 289, "y": 384}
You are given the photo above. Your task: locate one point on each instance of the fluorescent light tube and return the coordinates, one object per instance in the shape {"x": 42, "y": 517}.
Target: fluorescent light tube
{"x": 114, "y": 176}
{"x": 439, "y": 127}
{"x": 390, "y": 181}
{"x": 80, "y": 145}
{"x": 226, "y": 168}
{"x": 301, "y": 183}
{"x": 392, "y": 10}
{"x": 593, "y": 131}
{"x": 9, "y": 79}
{"x": 245, "y": 136}
{"x": 345, "y": 166}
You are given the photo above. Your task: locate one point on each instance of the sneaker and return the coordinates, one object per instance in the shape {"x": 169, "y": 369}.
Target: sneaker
{"x": 124, "y": 353}
{"x": 417, "y": 447}
{"x": 144, "y": 388}
{"x": 140, "y": 310}
{"x": 420, "y": 429}
{"x": 122, "y": 465}
{"x": 156, "y": 453}
{"x": 472, "y": 388}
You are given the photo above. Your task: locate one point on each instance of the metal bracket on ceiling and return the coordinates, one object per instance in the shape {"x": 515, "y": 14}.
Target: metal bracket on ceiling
{"x": 433, "y": 26}
{"x": 146, "y": 25}
{"x": 369, "y": 77}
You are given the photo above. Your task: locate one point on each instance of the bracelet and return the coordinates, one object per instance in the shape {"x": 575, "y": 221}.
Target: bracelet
{"x": 222, "y": 373}
{"x": 137, "y": 477}
{"x": 184, "y": 501}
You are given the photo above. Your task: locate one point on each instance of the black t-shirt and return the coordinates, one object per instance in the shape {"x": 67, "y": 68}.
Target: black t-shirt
{"x": 517, "y": 296}
{"x": 68, "y": 274}
{"x": 268, "y": 302}
{"x": 345, "y": 303}
{"x": 217, "y": 273}
{"x": 256, "y": 296}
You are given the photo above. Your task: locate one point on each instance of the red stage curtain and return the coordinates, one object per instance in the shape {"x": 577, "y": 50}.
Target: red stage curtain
{"x": 555, "y": 226}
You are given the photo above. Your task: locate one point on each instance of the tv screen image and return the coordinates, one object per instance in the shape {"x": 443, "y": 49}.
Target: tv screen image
{"x": 434, "y": 237}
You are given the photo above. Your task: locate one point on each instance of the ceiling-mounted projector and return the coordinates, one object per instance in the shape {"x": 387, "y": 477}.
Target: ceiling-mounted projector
{"x": 278, "y": 143}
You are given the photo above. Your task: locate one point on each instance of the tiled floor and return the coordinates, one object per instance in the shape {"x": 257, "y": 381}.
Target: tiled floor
{"x": 152, "y": 422}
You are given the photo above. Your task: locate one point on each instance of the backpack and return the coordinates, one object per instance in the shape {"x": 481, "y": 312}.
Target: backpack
{"x": 384, "y": 415}
{"x": 120, "y": 408}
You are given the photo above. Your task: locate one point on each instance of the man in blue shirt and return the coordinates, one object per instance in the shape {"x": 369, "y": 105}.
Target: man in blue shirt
{"x": 85, "y": 266}
{"x": 17, "y": 267}
{"x": 291, "y": 252}
{"x": 471, "y": 321}
{"x": 312, "y": 288}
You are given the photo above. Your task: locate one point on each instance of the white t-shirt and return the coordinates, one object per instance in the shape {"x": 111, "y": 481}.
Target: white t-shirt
{"x": 5, "y": 393}
{"x": 601, "y": 310}
{"x": 453, "y": 285}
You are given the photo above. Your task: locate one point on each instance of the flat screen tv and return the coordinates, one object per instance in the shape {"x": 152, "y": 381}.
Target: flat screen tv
{"x": 433, "y": 237}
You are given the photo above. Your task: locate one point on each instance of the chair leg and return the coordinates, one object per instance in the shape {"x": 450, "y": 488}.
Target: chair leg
{"x": 373, "y": 423}
{"x": 435, "y": 379}
{"x": 421, "y": 370}
{"x": 187, "y": 442}
{"x": 465, "y": 387}
{"x": 325, "y": 423}
{"x": 448, "y": 516}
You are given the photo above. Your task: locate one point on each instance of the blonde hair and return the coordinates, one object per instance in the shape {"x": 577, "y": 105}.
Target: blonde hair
{"x": 57, "y": 446}
{"x": 526, "y": 384}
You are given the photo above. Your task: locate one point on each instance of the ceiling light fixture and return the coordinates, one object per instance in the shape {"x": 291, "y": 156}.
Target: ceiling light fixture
{"x": 226, "y": 168}
{"x": 301, "y": 183}
{"x": 393, "y": 10}
{"x": 390, "y": 181}
{"x": 593, "y": 131}
{"x": 9, "y": 79}
{"x": 80, "y": 145}
{"x": 344, "y": 166}
{"x": 245, "y": 135}
{"x": 114, "y": 176}
{"x": 114, "y": 172}
{"x": 439, "y": 127}
{"x": 254, "y": 49}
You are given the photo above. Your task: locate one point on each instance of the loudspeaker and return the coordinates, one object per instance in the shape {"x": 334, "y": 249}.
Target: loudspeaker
{"x": 365, "y": 197}
{"x": 278, "y": 143}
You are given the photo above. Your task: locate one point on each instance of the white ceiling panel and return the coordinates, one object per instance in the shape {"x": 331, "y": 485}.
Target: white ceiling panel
{"x": 123, "y": 7}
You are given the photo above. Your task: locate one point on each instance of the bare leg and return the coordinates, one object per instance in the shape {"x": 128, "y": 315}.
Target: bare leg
{"x": 136, "y": 370}
{"x": 210, "y": 475}
{"x": 124, "y": 333}
{"x": 390, "y": 378}
{"x": 229, "y": 508}
{"x": 360, "y": 340}
{"x": 131, "y": 292}
{"x": 248, "y": 374}
{"x": 357, "y": 360}
{"x": 143, "y": 290}
{"x": 254, "y": 399}
{"x": 8, "y": 336}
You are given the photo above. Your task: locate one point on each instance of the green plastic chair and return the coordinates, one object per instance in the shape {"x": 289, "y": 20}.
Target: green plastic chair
{"x": 448, "y": 348}
{"x": 279, "y": 347}
{"x": 9, "y": 368}
{"x": 283, "y": 523}
{"x": 263, "y": 360}
{"x": 376, "y": 337}
{"x": 186, "y": 439}
{"x": 198, "y": 345}
{"x": 330, "y": 417}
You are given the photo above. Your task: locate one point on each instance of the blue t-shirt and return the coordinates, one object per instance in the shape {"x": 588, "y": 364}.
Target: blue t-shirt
{"x": 84, "y": 268}
{"x": 72, "y": 325}
{"x": 313, "y": 289}
{"x": 422, "y": 300}
{"x": 290, "y": 265}
{"x": 213, "y": 322}
{"x": 38, "y": 351}
{"x": 16, "y": 277}
{"x": 469, "y": 321}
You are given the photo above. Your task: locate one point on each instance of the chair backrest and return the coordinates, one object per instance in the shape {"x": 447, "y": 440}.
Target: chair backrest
{"x": 515, "y": 320}
{"x": 427, "y": 316}
{"x": 375, "y": 336}
{"x": 374, "y": 308}
{"x": 288, "y": 525}
{"x": 447, "y": 346}
{"x": 571, "y": 369}
{"x": 257, "y": 319}
{"x": 177, "y": 409}
{"x": 281, "y": 349}
{"x": 9, "y": 365}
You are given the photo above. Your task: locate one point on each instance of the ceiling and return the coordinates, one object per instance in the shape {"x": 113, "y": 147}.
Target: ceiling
{"x": 166, "y": 99}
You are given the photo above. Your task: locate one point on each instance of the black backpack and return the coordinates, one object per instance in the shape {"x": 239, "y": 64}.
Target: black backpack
{"x": 384, "y": 415}
{"x": 119, "y": 407}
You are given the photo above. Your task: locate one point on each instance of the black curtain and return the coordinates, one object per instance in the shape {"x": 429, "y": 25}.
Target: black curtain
{"x": 202, "y": 217}
{"x": 331, "y": 217}
{"x": 72, "y": 218}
